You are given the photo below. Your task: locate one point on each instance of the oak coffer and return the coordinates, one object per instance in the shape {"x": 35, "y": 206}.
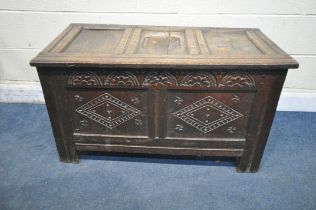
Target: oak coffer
{"x": 162, "y": 90}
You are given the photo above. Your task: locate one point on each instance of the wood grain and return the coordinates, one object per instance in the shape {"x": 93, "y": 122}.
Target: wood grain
{"x": 164, "y": 47}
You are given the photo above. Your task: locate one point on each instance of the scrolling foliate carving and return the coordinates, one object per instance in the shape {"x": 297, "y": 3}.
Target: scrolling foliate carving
{"x": 84, "y": 78}
{"x": 121, "y": 79}
{"x": 160, "y": 79}
{"x": 237, "y": 79}
{"x": 199, "y": 79}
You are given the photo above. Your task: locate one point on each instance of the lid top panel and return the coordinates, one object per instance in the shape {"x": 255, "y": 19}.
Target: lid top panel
{"x": 146, "y": 46}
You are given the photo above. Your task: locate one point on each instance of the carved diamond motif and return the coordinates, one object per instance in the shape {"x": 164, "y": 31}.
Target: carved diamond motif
{"x": 108, "y": 111}
{"x": 207, "y": 114}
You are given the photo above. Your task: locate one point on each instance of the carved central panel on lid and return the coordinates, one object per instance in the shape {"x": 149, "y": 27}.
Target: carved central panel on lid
{"x": 162, "y": 42}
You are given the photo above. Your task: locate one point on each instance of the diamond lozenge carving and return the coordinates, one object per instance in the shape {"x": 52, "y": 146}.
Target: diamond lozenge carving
{"x": 108, "y": 111}
{"x": 207, "y": 114}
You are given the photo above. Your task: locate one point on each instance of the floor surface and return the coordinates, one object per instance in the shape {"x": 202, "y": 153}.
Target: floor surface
{"x": 31, "y": 176}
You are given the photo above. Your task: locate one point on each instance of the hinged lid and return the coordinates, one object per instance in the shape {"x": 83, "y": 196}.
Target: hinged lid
{"x": 163, "y": 47}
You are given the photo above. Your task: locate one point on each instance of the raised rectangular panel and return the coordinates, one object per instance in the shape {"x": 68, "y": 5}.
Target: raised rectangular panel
{"x": 95, "y": 41}
{"x": 207, "y": 114}
{"x": 230, "y": 43}
{"x": 111, "y": 112}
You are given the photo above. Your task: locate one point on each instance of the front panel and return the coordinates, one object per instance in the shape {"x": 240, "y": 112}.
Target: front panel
{"x": 111, "y": 113}
{"x": 206, "y": 114}
{"x": 166, "y": 109}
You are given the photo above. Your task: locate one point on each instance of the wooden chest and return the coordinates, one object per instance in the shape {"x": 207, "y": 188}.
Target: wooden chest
{"x": 162, "y": 90}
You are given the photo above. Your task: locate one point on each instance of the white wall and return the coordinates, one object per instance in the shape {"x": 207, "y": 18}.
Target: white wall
{"x": 28, "y": 26}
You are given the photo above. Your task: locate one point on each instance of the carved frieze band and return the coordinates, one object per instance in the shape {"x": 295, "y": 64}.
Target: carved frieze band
{"x": 84, "y": 78}
{"x": 160, "y": 79}
{"x": 163, "y": 79}
{"x": 122, "y": 79}
{"x": 236, "y": 79}
{"x": 200, "y": 79}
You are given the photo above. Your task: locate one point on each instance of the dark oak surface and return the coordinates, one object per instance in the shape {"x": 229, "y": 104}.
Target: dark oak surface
{"x": 162, "y": 90}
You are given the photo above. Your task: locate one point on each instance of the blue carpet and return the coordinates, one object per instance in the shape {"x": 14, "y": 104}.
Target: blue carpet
{"x": 33, "y": 178}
